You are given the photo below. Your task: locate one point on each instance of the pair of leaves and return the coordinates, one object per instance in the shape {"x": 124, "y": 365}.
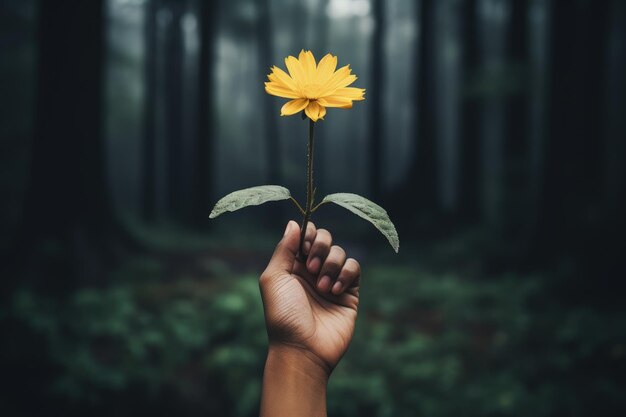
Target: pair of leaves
{"x": 358, "y": 205}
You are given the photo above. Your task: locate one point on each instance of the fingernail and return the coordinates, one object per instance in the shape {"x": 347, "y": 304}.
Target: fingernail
{"x": 314, "y": 265}
{"x": 337, "y": 288}
{"x": 324, "y": 284}
{"x": 306, "y": 247}
{"x": 288, "y": 228}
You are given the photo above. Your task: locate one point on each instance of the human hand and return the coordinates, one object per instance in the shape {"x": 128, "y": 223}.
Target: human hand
{"x": 311, "y": 307}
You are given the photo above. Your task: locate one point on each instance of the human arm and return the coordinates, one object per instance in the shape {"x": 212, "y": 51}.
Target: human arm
{"x": 310, "y": 313}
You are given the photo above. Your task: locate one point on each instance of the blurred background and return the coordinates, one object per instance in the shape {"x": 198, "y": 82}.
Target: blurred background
{"x": 493, "y": 132}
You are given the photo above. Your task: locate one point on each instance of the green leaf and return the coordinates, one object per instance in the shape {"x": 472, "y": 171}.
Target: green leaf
{"x": 370, "y": 211}
{"x": 249, "y": 197}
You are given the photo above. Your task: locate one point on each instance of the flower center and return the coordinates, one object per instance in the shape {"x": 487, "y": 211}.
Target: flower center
{"x": 311, "y": 91}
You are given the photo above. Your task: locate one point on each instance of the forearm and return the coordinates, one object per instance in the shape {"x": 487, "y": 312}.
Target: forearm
{"x": 294, "y": 384}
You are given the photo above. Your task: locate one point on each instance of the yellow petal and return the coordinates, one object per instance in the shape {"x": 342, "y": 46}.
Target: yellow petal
{"x": 294, "y": 106}
{"x": 295, "y": 70}
{"x": 322, "y": 112}
{"x": 325, "y": 69}
{"x": 313, "y": 110}
{"x": 343, "y": 82}
{"x": 281, "y": 76}
{"x": 352, "y": 93}
{"x": 335, "y": 101}
{"x": 279, "y": 91}
{"x": 335, "y": 81}
{"x": 307, "y": 61}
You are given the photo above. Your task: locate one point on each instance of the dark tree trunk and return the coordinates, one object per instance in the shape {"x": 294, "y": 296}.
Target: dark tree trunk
{"x": 614, "y": 178}
{"x": 416, "y": 200}
{"x": 492, "y": 45}
{"x": 149, "y": 115}
{"x": 571, "y": 183}
{"x": 375, "y": 94}
{"x": 615, "y": 87}
{"x": 174, "y": 104}
{"x": 264, "y": 39}
{"x": 515, "y": 204}
{"x": 424, "y": 169}
{"x": 470, "y": 164}
{"x": 538, "y": 70}
{"x": 449, "y": 75}
{"x": 68, "y": 213}
{"x": 204, "y": 158}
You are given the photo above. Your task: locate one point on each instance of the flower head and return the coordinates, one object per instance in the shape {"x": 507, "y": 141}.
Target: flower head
{"x": 313, "y": 87}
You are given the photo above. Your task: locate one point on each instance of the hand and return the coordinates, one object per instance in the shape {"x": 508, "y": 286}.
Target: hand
{"x": 311, "y": 307}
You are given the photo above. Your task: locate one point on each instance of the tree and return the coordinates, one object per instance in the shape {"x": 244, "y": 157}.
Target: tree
{"x": 377, "y": 71}
{"x": 470, "y": 158}
{"x": 264, "y": 39}
{"x": 149, "y": 122}
{"x": 492, "y": 48}
{"x": 203, "y": 164}
{"x": 68, "y": 214}
{"x": 419, "y": 193}
{"x": 174, "y": 52}
{"x": 571, "y": 180}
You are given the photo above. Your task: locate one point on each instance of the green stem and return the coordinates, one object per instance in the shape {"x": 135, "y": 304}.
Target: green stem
{"x": 300, "y": 209}
{"x": 309, "y": 188}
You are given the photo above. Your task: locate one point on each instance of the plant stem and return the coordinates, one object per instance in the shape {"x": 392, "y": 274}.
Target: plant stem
{"x": 309, "y": 188}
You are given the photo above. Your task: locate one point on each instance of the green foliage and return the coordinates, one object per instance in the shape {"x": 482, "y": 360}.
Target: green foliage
{"x": 369, "y": 211}
{"x": 426, "y": 344}
{"x": 253, "y": 196}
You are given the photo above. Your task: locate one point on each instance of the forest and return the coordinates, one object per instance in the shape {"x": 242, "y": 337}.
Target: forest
{"x": 492, "y": 131}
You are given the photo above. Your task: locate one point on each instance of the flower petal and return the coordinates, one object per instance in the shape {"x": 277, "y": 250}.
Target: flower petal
{"x": 295, "y": 70}
{"x": 322, "y": 112}
{"x": 335, "y": 81}
{"x": 325, "y": 69}
{"x": 307, "y": 61}
{"x": 313, "y": 110}
{"x": 281, "y": 76}
{"x": 280, "y": 91}
{"x": 352, "y": 93}
{"x": 294, "y": 106}
{"x": 335, "y": 101}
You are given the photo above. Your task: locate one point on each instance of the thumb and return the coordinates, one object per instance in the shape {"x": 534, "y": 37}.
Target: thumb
{"x": 285, "y": 253}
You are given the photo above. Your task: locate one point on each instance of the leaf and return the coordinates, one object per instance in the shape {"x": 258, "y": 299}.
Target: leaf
{"x": 249, "y": 197}
{"x": 370, "y": 211}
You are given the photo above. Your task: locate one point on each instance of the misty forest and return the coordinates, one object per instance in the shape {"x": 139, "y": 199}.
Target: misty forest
{"x": 493, "y": 132}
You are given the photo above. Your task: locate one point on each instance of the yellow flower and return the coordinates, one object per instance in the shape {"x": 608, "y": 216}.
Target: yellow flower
{"x": 313, "y": 87}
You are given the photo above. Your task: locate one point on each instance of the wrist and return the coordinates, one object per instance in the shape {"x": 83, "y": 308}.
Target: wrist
{"x": 297, "y": 360}
{"x": 294, "y": 383}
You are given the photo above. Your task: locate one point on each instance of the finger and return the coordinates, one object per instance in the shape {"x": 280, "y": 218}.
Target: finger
{"x": 349, "y": 277}
{"x": 285, "y": 253}
{"x": 309, "y": 238}
{"x": 330, "y": 270}
{"x": 319, "y": 250}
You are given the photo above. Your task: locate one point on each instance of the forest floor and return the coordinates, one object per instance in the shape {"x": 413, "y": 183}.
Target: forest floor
{"x": 441, "y": 331}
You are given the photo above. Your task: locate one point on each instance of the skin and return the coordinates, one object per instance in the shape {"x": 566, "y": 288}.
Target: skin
{"x": 310, "y": 312}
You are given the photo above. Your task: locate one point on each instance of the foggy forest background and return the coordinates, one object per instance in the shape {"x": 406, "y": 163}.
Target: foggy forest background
{"x": 493, "y": 132}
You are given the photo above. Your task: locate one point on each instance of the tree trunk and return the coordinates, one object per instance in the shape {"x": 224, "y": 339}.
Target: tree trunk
{"x": 204, "y": 158}
{"x": 149, "y": 128}
{"x": 174, "y": 102}
{"x": 538, "y": 67}
{"x": 615, "y": 87}
{"x": 448, "y": 73}
{"x": 375, "y": 92}
{"x": 614, "y": 178}
{"x": 515, "y": 203}
{"x": 571, "y": 183}
{"x": 494, "y": 18}
{"x": 68, "y": 213}
{"x": 264, "y": 36}
{"x": 470, "y": 163}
